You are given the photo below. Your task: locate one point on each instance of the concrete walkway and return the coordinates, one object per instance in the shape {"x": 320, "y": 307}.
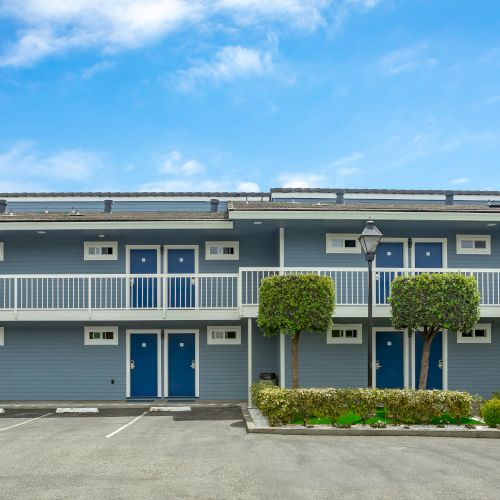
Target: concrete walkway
{"x": 42, "y": 404}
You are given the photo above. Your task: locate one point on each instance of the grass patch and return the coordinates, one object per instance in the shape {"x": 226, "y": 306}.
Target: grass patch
{"x": 352, "y": 419}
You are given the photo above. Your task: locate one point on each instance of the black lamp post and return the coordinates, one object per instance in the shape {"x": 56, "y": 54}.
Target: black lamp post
{"x": 369, "y": 240}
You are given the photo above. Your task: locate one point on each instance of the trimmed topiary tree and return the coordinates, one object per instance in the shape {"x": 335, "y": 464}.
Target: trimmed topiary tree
{"x": 294, "y": 303}
{"x": 428, "y": 303}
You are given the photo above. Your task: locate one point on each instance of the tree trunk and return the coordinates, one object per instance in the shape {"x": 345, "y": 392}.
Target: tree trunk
{"x": 424, "y": 363}
{"x": 295, "y": 360}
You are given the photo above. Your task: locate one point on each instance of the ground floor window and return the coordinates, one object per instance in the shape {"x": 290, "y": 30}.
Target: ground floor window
{"x": 101, "y": 335}
{"x": 480, "y": 334}
{"x": 345, "y": 334}
{"x": 224, "y": 335}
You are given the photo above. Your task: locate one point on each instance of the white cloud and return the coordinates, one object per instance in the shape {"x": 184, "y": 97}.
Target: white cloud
{"x": 175, "y": 164}
{"x": 348, "y": 171}
{"x": 185, "y": 175}
{"x": 459, "y": 181}
{"x": 249, "y": 187}
{"x": 406, "y": 59}
{"x": 49, "y": 27}
{"x": 22, "y": 162}
{"x": 300, "y": 180}
{"x": 229, "y": 63}
{"x": 99, "y": 67}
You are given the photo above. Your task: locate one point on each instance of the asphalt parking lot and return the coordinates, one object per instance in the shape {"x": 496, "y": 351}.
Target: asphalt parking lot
{"x": 206, "y": 453}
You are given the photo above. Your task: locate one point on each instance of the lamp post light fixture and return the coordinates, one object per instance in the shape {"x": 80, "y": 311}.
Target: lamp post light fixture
{"x": 369, "y": 240}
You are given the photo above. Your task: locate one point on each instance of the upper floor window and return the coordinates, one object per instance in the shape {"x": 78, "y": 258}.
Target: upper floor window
{"x": 342, "y": 243}
{"x": 345, "y": 334}
{"x": 469, "y": 244}
{"x": 480, "y": 334}
{"x": 222, "y": 250}
{"x": 224, "y": 335}
{"x": 101, "y": 335}
{"x": 100, "y": 250}
{"x": 2, "y": 337}
{"x": 1, "y": 251}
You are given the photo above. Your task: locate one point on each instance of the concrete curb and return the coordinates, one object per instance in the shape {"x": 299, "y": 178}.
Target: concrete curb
{"x": 110, "y": 405}
{"x": 77, "y": 410}
{"x": 2, "y": 410}
{"x": 308, "y": 431}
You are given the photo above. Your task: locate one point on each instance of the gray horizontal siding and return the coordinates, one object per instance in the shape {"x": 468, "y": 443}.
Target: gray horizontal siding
{"x": 52, "y": 362}
{"x": 61, "y": 252}
{"x": 475, "y": 367}
{"x": 328, "y": 365}
{"x": 265, "y": 351}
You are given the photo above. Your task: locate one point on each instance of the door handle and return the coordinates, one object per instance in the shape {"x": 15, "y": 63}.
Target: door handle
{"x": 193, "y": 364}
{"x": 132, "y": 364}
{"x": 440, "y": 364}
{"x": 377, "y": 365}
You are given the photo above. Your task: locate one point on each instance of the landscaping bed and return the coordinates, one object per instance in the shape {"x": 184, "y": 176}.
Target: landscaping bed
{"x": 364, "y": 412}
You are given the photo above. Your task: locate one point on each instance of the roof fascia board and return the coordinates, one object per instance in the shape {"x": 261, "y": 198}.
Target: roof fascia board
{"x": 70, "y": 199}
{"x": 26, "y": 226}
{"x": 362, "y": 215}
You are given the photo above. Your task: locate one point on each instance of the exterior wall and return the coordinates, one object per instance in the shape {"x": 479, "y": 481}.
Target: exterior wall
{"x": 329, "y": 365}
{"x": 475, "y": 367}
{"x": 305, "y": 243}
{"x": 62, "y": 251}
{"x": 50, "y": 361}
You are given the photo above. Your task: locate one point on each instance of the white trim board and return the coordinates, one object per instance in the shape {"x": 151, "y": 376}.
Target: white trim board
{"x": 196, "y": 249}
{"x": 444, "y": 250}
{"x": 406, "y": 367}
{"x": 404, "y": 241}
{"x": 196, "y": 333}
{"x": 128, "y": 333}
{"x": 140, "y": 225}
{"x": 363, "y": 215}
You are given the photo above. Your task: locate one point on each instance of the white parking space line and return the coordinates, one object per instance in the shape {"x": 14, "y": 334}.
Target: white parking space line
{"x": 126, "y": 425}
{"x": 25, "y": 422}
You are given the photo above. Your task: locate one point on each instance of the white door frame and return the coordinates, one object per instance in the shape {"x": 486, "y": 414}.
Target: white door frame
{"x": 404, "y": 241}
{"x": 158, "y": 269}
{"x": 142, "y": 247}
{"x": 444, "y": 250}
{"x": 129, "y": 332}
{"x": 196, "y": 333}
{"x": 406, "y": 354}
{"x": 196, "y": 249}
{"x": 444, "y": 340}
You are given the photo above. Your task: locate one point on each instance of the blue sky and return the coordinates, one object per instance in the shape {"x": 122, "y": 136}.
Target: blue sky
{"x": 175, "y": 95}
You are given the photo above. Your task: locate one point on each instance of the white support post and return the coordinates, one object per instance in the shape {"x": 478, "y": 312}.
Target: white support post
{"x": 250, "y": 368}
{"x": 282, "y": 248}
{"x": 282, "y": 336}
{"x": 282, "y": 360}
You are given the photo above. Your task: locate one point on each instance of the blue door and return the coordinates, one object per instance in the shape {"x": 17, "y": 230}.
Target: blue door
{"x": 144, "y": 289}
{"x": 435, "y": 375}
{"x": 181, "y": 365}
{"x": 428, "y": 255}
{"x": 181, "y": 288}
{"x": 388, "y": 255}
{"x": 390, "y": 365}
{"x": 143, "y": 365}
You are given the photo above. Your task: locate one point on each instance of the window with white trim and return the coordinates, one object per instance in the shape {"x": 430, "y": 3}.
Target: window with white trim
{"x": 101, "y": 335}
{"x": 2, "y": 336}
{"x": 100, "y": 250}
{"x": 480, "y": 334}
{"x": 222, "y": 250}
{"x": 1, "y": 251}
{"x": 224, "y": 335}
{"x": 345, "y": 334}
{"x": 470, "y": 244}
{"x": 342, "y": 243}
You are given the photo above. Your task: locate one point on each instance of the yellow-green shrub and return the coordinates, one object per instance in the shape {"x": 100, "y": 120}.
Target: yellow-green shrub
{"x": 490, "y": 412}
{"x": 282, "y": 406}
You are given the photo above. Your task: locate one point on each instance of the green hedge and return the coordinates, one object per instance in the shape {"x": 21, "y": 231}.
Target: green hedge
{"x": 490, "y": 411}
{"x": 282, "y": 406}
